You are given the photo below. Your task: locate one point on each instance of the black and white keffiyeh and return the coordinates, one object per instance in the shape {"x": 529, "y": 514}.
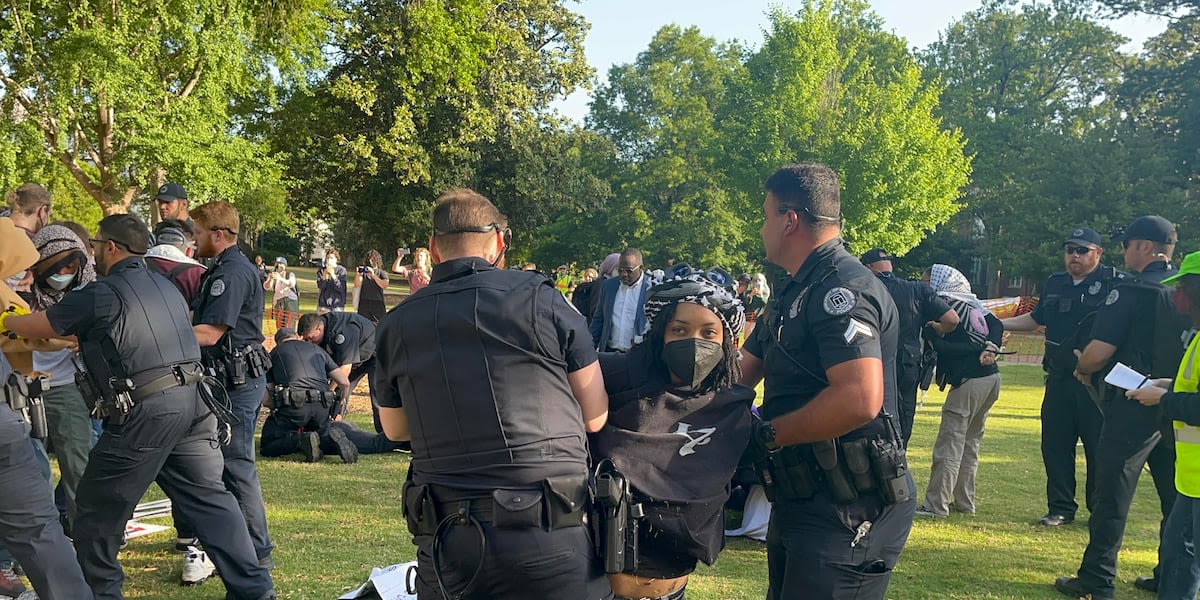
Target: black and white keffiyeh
{"x": 697, "y": 288}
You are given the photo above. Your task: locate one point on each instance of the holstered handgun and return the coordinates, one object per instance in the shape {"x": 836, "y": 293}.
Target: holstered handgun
{"x": 24, "y": 395}
{"x": 618, "y": 523}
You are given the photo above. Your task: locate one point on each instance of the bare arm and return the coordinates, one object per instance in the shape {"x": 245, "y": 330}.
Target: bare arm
{"x": 395, "y": 424}
{"x": 31, "y": 327}
{"x": 853, "y": 398}
{"x": 1093, "y": 358}
{"x": 587, "y": 384}
{"x": 752, "y": 369}
{"x": 209, "y": 335}
{"x": 1023, "y": 322}
{"x": 382, "y": 282}
{"x": 340, "y": 377}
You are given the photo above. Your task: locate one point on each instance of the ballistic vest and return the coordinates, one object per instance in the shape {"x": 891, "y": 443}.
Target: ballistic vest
{"x": 1187, "y": 437}
{"x": 151, "y": 329}
{"x": 484, "y": 379}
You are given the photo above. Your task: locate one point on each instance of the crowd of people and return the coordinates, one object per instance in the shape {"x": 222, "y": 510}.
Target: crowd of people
{"x": 572, "y": 434}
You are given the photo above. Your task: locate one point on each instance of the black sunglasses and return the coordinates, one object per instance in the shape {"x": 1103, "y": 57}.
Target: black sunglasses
{"x": 1077, "y": 250}
{"x": 231, "y": 232}
{"x": 628, "y": 270}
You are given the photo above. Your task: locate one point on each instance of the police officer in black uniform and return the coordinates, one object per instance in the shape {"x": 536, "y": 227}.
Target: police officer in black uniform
{"x": 301, "y": 402}
{"x": 144, "y": 364}
{"x": 828, "y": 357}
{"x": 29, "y": 525}
{"x": 496, "y": 374}
{"x": 350, "y": 339}
{"x": 917, "y": 306}
{"x": 227, "y": 318}
{"x": 1068, "y": 412}
{"x": 1137, "y": 326}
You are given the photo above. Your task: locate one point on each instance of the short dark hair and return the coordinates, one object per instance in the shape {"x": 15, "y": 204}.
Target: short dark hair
{"x": 632, "y": 252}
{"x": 460, "y": 213}
{"x": 308, "y": 323}
{"x": 127, "y": 231}
{"x": 809, "y": 188}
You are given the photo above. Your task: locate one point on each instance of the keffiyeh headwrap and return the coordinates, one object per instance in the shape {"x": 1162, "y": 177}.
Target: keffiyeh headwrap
{"x": 51, "y": 240}
{"x": 696, "y": 288}
{"x": 952, "y": 285}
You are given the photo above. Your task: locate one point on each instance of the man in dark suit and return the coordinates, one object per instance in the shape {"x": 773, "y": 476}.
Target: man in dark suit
{"x": 620, "y": 319}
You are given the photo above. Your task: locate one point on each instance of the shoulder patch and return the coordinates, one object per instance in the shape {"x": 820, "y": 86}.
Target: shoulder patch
{"x": 857, "y": 329}
{"x": 839, "y": 301}
{"x": 218, "y": 288}
{"x": 340, "y": 339}
{"x": 1095, "y": 288}
{"x": 1112, "y": 297}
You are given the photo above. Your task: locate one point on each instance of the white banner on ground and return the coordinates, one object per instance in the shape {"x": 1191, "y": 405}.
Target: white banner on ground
{"x": 391, "y": 583}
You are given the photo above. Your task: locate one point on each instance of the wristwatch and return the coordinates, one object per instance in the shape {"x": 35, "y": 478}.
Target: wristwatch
{"x": 766, "y": 436}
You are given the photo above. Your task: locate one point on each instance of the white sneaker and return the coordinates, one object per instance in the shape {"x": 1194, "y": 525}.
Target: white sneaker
{"x": 196, "y": 567}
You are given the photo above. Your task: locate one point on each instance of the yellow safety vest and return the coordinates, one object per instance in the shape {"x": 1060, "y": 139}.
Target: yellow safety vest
{"x": 1187, "y": 437}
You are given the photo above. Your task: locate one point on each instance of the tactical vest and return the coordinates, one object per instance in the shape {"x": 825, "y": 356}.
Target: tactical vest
{"x": 150, "y": 331}
{"x": 484, "y": 382}
{"x": 1157, "y": 342}
{"x": 1187, "y": 437}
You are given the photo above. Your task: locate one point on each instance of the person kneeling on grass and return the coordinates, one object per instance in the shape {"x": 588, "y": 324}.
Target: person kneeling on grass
{"x": 676, "y": 429}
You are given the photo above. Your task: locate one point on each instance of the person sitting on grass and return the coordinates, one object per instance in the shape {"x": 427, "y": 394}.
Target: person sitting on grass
{"x": 677, "y": 427}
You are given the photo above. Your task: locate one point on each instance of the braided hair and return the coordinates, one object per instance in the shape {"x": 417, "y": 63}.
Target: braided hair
{"x": 697, "y": 288}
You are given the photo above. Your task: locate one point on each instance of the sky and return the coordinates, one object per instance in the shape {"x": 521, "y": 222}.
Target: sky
{"x": 623, "y": 28}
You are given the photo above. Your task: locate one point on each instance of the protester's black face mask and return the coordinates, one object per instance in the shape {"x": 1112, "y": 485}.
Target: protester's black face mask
{"x": 692, "y": 360}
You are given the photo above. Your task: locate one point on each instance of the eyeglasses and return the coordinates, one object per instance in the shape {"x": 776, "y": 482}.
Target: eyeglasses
{"x": 628, "y": 270}
{"x": 94, "y": 242}
{"x": 1077, "y": 250}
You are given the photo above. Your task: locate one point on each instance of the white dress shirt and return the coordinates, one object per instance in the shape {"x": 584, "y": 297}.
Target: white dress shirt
{"x": 622, "y": 335}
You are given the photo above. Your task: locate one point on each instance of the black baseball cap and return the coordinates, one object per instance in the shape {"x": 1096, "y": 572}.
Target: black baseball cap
{"x": 1084, "y": 237}
{"x": 170, "y": 192}
{"x": 875, "y": 255}
{"x": 1150, "y": 227}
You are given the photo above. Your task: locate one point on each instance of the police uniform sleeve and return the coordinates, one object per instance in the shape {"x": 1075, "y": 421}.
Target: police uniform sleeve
{"x": 932, "y": 304}
{"x": 574, "y": 335}
{"x": 344, "y": 345}
{"x": 1182, "y": 406}
{"x": 844, "y": 322}
{"x": 78, "y": 310}
{"x": 754, "y": 343}
{"x": 222, "y": 302}
{"x": 1115, "y": 317}
{"x": 387, "y": 354}
{"x": 1039, "y": 311}
{"x": 330, "y": 364}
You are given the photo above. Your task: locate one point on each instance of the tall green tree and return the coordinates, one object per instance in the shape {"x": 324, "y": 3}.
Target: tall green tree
{"x": 671, "y": 196}
{"x": 416, "y": 92}
{"x": 1031, "y": 86}
{"x": 829, "y": 84}
{"x": 127, "y": 92}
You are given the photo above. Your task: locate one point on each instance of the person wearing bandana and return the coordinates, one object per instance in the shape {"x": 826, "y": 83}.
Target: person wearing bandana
{"x": 827, "y": 359}
{"x": 62, "y": 268}
{"x": 677, "y": 426}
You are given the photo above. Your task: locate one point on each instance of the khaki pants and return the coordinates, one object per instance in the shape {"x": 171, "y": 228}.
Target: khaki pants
{"x": 956, "y": 451}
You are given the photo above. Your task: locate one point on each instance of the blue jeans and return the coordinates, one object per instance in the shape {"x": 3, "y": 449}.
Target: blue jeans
{"x": 1180, "y": 573}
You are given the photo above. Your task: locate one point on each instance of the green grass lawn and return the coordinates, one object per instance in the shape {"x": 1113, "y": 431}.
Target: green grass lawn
{"x": 332, "y": 522}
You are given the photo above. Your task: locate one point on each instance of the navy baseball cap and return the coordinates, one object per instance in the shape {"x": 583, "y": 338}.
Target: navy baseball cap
{"x": 170, "y": 192}
{"x": 1150, "y": 227}
{"x": 875, "y": 255}
{"x": 1084, "y": 237}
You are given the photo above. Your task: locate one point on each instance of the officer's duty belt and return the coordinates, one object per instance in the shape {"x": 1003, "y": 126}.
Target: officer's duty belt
{"x": 165, "y": 378}
{"x": 287, "y": 397}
